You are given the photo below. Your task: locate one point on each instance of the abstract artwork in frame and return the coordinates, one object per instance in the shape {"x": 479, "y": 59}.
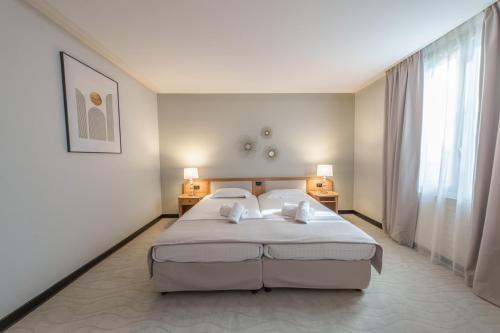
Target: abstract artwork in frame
{"x": 92, "y": 108}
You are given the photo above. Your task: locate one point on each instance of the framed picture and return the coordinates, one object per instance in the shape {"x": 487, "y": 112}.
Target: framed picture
{"x": 92, "y": 108}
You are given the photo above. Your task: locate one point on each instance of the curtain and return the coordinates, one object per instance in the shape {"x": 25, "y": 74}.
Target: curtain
{"x": 448, "y": 151}
{"x": 483, "y": 261}
{"x": 403, "y": 119}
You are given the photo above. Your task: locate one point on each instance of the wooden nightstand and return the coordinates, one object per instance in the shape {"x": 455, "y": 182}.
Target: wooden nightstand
{"x": 187, "y": 201}
{"x": 329, "y": 199}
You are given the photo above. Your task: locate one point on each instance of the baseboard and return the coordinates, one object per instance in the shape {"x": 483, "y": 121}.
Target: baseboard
{"x": 362, "y": 216}
{"x": 368, "y": 219}
{"x": 35, "y": 302}
{"x": 170, "y": 216}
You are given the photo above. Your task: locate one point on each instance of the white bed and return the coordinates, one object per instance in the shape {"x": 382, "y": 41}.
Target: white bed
{"x": 204, "y": 251}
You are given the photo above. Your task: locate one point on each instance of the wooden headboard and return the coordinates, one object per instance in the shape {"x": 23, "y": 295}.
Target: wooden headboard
{"x": 258, "y": 184}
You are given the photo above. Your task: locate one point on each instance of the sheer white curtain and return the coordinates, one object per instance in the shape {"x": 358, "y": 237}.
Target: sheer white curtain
{"x": 449, "y": 130}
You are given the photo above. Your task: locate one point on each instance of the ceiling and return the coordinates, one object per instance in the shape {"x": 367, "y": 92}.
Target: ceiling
{"x": 259, "y": 46}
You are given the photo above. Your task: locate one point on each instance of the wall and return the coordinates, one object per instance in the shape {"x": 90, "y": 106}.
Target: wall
{"x": 59, "y": 210}
{"x": 205, "y": 130}
{"x": 368, "y": 149}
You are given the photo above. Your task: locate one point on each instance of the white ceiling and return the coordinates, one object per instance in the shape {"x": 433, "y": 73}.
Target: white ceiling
{"x": 260, "y": 46}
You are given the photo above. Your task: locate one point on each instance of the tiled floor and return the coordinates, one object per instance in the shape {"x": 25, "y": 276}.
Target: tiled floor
{"x": 411, "y": 295}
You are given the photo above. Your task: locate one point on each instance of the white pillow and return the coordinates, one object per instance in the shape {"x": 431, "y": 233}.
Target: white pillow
{"x": 230, "y": 192}
{"x": 282, "y": 194}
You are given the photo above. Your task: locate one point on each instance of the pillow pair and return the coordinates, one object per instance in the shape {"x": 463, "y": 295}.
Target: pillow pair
{"x": 234, "y": 213}
{"x": 301, "y": 212}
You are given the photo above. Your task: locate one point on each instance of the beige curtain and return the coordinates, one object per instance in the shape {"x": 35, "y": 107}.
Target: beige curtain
{"x": 403, "y": 127}
{"x": 483, "y": 262}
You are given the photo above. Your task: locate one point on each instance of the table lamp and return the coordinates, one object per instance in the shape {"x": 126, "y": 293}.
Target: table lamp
{"x": 324, "y": 170}
{"x": 191, "y": 173}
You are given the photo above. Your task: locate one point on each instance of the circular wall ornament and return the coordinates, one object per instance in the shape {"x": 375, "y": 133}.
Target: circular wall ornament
{"x": 95, "y": 98}
{"x": 271, "y": 153}
{"x": 266, "y": 132}
{"x": 248, "y": 145}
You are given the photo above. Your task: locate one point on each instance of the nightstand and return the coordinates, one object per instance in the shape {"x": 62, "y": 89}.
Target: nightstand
{"x": 187, "y": 201}
{"x": 329, "y": 199}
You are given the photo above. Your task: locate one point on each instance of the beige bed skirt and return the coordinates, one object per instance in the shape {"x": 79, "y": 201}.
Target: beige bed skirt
{"x": 316, "y": 274}
{"x": 254, "y": 274}
{"x": 183, "y": 276}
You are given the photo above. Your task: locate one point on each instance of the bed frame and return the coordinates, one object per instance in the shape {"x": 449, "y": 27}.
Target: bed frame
{"x": 255, "y": 274}
{"x": 258, "y": 183}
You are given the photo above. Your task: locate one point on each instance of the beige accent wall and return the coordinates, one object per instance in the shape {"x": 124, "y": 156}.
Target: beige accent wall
{"x": 204, "y": 131}
{"x": 59, "y": 210}
{"x": 368, "y": 149}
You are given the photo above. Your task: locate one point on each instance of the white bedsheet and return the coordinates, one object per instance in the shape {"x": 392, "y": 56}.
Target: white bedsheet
{"x": 208, "y": 209}
{"x": 203, "y": 225}
{"x": 271, "y": 209}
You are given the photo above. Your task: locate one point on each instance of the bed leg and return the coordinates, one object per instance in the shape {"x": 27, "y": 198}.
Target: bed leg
{"x": 267, "y": 289}
{"x": 360, "y": 290}
{"x": 254, "y": 291}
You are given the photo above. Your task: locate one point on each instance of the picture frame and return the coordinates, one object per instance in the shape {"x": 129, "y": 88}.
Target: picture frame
{"x": 92, "y": 108}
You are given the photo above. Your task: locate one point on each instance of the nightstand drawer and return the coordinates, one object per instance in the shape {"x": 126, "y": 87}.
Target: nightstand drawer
{"x": 322, "y": 200}
{"x": 330, "y": 204}
{"x": 186, "y": 201}
{"x": 329, "y": 199}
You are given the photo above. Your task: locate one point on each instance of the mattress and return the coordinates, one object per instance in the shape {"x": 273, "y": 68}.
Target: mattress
{"x": 217, "y": 252}
{"x": 320, "y": 251}
{"x": 271, "y": 208}
{"x": 202, "y": 235}
{"x": 203, "y": 212}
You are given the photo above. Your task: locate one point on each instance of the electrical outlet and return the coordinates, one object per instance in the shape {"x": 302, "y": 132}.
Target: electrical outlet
{"x": 196, "y": 187}
{"x": 319, "y": 185}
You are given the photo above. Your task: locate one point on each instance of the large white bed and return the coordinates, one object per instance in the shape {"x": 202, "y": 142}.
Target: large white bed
{"x": 204, "y": 251}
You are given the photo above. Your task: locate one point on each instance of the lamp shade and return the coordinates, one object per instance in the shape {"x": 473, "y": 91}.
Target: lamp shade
{"x": 190, "y": 173}
{"x": 324, "y": 170}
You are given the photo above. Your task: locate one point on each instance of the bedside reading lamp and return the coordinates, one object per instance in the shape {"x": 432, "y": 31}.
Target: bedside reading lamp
{"x": 324, "y": 170}
{"x": 191, "y": 173}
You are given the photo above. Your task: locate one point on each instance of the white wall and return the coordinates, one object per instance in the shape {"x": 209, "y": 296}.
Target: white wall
{"x": 59, "y": 210}
{"x": 204, "y": 131}
{"x": 368, "y": 149}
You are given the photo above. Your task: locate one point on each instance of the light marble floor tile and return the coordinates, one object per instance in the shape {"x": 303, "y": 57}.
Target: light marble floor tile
{"x": 411, "y": 295}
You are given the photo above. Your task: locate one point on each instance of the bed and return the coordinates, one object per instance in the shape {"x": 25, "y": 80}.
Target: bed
{"x": 332, "y": 254}
{"x": 203, "y": 251}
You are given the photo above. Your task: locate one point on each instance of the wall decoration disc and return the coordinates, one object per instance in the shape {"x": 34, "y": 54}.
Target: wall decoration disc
{"x": 247, "y": 145}
{"x": 271, "y": 153}
{"x": 266, "y": 132}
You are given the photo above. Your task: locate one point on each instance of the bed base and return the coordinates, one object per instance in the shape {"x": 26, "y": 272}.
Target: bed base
{"x": 197, "y": 276}
{"x": 253, "y": 275}
{"x": 316, "y": 274}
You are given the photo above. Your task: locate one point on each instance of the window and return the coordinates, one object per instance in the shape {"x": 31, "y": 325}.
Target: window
{"x": 449, "y": 135}
{"x": 450, "y": 112}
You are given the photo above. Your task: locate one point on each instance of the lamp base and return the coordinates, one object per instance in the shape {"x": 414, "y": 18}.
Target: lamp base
{"x": 191, "y": 188}
{"x": 324, "y": 186}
